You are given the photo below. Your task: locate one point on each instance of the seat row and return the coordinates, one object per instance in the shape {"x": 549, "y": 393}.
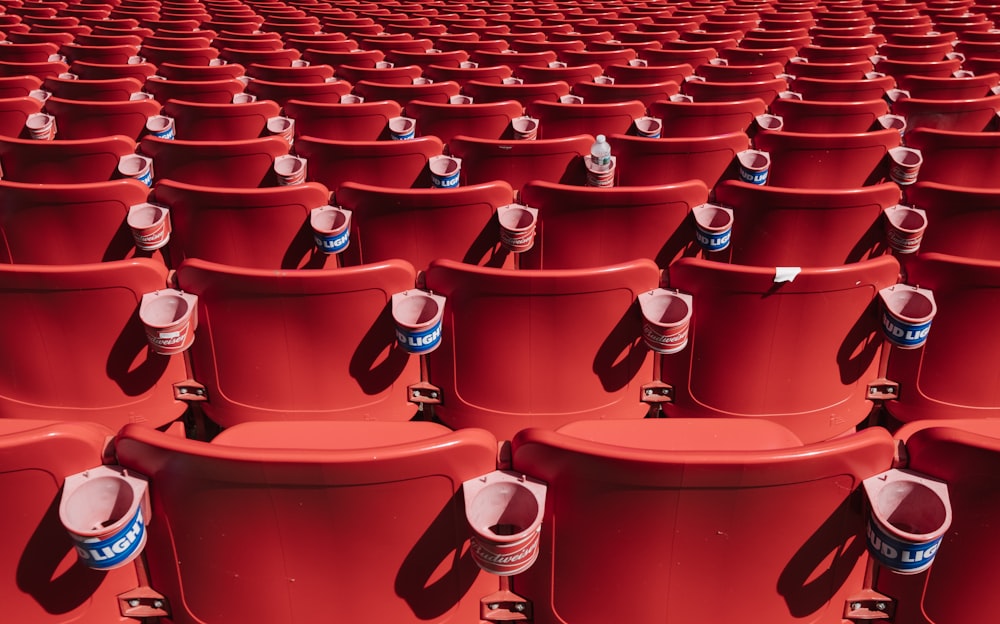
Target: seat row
{"x": 372, "y": 521}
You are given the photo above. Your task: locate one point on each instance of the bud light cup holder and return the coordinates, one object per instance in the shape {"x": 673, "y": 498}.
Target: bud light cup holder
{"x": 105, "y": 511}
{"x": 504, "y": 510}
{"x": 331, "y": 226}
{"x": 907, "y": 312}
{"x": 908, "y": 516}
{"x": 418, "y": 315}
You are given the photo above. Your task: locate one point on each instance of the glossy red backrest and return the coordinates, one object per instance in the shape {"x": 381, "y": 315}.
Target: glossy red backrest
{"x": 798, "y": 352}
{"x": 43, "y": 581}
{"x": 518, "y": 162}
{"x": 973, "y": 115}
{"x": 220, "y": 122}
{"x": 78, "y": 349}
{"x": 778, "y": 226}
{"x": 827, "y": 160}
{"x": 487, "y": 120}
{"x": 675, "y": 509}
{"x": 395, "y": 164}
{"x": 532, "y": 348}
{"x": 354, "y": 372}
{"x": 288, "y": 524}
{"x": 944, "y": 379}
{"x": 700, "y": 119}
{"x": 14, "y": 113}
{"x": 78, "y": 119}
{"x": 421, "y": 225}
{"x": 962, "y": 220}
{"x": 811, "y": 116}
{"x": 208, "y": 91}
{"x": 643, "y": 161}
{"x": 967, "y": 158}
{"x": 562, "y": 120}
{"x": 245, "y": 164}
{"x": 63, "y": 161}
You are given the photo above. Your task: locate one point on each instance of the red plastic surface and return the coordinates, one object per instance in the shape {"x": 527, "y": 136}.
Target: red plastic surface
{"x": 487, "y": 120}
{"x": 244, "y": 164}
{"x": 355, "y": 373}
{"x": 776, "y": 226}
{"x": 531, "y": 348}
{"x": 702, "y": 119}
{"x": 674, "y": 516}
{"x": 518, "y": 162}
{"x": 14, "y": 112}
{"x": 556, "y": 119}
{"x": 62, "y": 162}
{"x": 198, "y": 121}
{"x": 207, "y": 91}
{"x": 829, "y": 90}
{"x": 972, "y": 115}
{"x": 395, "y": 164}
{"x": 439, "y": 92}
{"x": 766, "y": 90}
{"x": 112, "y": 90}
{"x": 44, "y": 581}
{"x": 828, "y": 117}
{"x": 281, "y": 92}
{"x": 965, "y": 220}
{"x": 643, "y": 161}
{"x": 799, "y": 352}
{"x": 523, "y": 93}
{"x": 587, "y": 227}
{"x": 420, "y": 225}
{"x": 367, "y": 121}
{"x": 927, "y": 88}
{"x": 827, "y": 161}
{"x": 78, "y": 119}
{"x": 594, "y": 93}
{"x": 289, "y": 525}
{"x": 968, "y": 158}
{"x": 80, "y": 351}
{"x": 951, "y": 376}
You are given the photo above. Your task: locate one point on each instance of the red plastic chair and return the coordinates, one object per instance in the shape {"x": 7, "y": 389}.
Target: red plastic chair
{"x": 101, "y": 54}
{"x": 740, "y": 73}
{"x": 828, "y": 90}
{"x": 816, "y": 330}
{"x": 830, "y": 71}
{"x": 245, "y": 164}
{"x": 27, "y": 52}
{"x": 172, "y": 71}
{"x": 282, "y": 92}
{"x": 262, "y": 228}
{"x": 599, "y": 57}
{"x": 827, "y": 161}
{"x": 363, "y": 378}
{"x": 838, "y": 53}
{"x": 828, "y": 117}
{"x": 62, "y": 161}
{"x": 180, "y": 56}
{"x": 570, "y": 75}
{"x": 356, "y": 58}
{"x": 41, "y": 70}
{"x": 964, "y": 219}
{"x": 35, "y": 458}
{"x": 514, "y": 59}
{"x": 927, "y": 88}
{"x": 325, "y": 468}
{"x": 390, "y": 75}
{"x": 562, "y": 345}
{"x": 943, "y": 378}
{"x": 963, "y": 453}
{"x": 67, "y": 223}
{"x": 205, "y": 91}
{"x": 898, "y": 69}
{"x": 693, "y": 57}
{"x": 700, "y": 119}
{"x": 85, "y": 356}
{"x": 972, "y": 115}
{"x": 367, "y": 121}
{"x": 593, "y": 93}
{"x": 18, "y": 86}
{"x": 634, "y": 478}
{"x": 921, "y": 53}
{"x": 394, "y": 164}
{"x": 957, "y": 158}
{"x": 758, "y": 56}
{"x": 77, "y": 119}
{"x": 117, "y": 90}
{"x": 523, "y": 93}
{"x": 220, "y": 122}
{"x": 645, "y": 162}
{"x": 96, "y": 71}
{"x": 14, "y": 113}
{"x": 426, "y": 58}
{"x": 766, "y": 90}
{"x": 309, "y": 73}
{"x": 582, "y": 227}
{"x": 629, "y": 74}
{"x": 518, "y": 162}
{"x": 562, "y": 120}
{"x": 490, "y": 120}
{"x": 440, "y": 92}
{"x": 277, "y": 58}
{"x": 776, "y": 226}
{"x": 463, "y": 75}
{"x": 421, "y": 225}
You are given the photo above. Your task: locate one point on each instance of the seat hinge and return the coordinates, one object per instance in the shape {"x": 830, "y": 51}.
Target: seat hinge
{"x": 869, "y": 605}
{"x": 190, "y": 390}
{"x": 424, "y": 393}
{"x": 143, "y": 602}
{"x": 883, "y": 389}
{"x": 504, "y": 606}
{"x": 656, "y": 392}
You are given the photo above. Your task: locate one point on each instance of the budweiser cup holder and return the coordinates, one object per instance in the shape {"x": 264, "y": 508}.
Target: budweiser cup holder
{"x": 170, "y": 318}
{"x": 105, "y": 511}
{"x": 504, "y": 510}
{"x": 666, "y": 316}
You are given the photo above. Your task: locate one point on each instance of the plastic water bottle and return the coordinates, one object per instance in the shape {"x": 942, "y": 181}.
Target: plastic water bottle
{"x": 600, "y": 152}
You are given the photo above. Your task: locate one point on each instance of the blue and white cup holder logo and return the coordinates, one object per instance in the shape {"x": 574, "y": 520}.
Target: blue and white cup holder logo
{"x": 445, "y": 171}
{"x": 331, "y": 227}
{"x": 418, "y": 315}
{"x": 713, "y": 226}
{"x": 105, "y": 511}
{"x": 402, "y": 128}
{"x": 161, "y": 127}
{"x": 908, "y": 517}
{"x": 649, "y": 127}
{"x": 138, "y": 167}
{"x": 907, "y": 312}
{"x": 754, "y": 166}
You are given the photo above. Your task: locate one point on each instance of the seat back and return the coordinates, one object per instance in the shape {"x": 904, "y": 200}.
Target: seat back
{"x": 957, "y": 158}
{"x": 488, "y": 120}
{"x": 966, "y": 220}
{"x": 421, "y": 225}
{"x": 518, "y": 162}
{"x": 972, "y": 115}
{"x": 76, "y": 119}
{"x": 395, "y": 164}
{"x": 817, "y": 330}
{"x": 676, "y": 509}
{"x": 700, "y": 119}
{"x": 77, "y": 348}
{"x": 362, "y": 374}
{"x": 43, "y": 580}
{"x": 198, "y": 121}
{"x": 62, "y": 161}
{"x": 828, "y": 117}
{"x": 943, "y": 379}
{"x": 827, "y": 161}
{"x": 556, "y": 119}
{"x": 643, "y": 162}
{"x": 365, "y": 517}
{"x": 539, "y": 348}
{"x": 245, "y": 164}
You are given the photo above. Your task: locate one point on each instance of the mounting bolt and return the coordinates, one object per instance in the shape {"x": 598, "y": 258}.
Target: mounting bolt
{"x": 519, "y": 607}
{"x": 493, "y": 606}
{"x": 416, "y": 393}
{"x": 880, "y": 606}
{"x": 855, "y": 606}
{"x": 434, "y": 395}
{"x": 134, "y": 602}
{"x": 649, "y": 392}
{"x": 157, "y": 604}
